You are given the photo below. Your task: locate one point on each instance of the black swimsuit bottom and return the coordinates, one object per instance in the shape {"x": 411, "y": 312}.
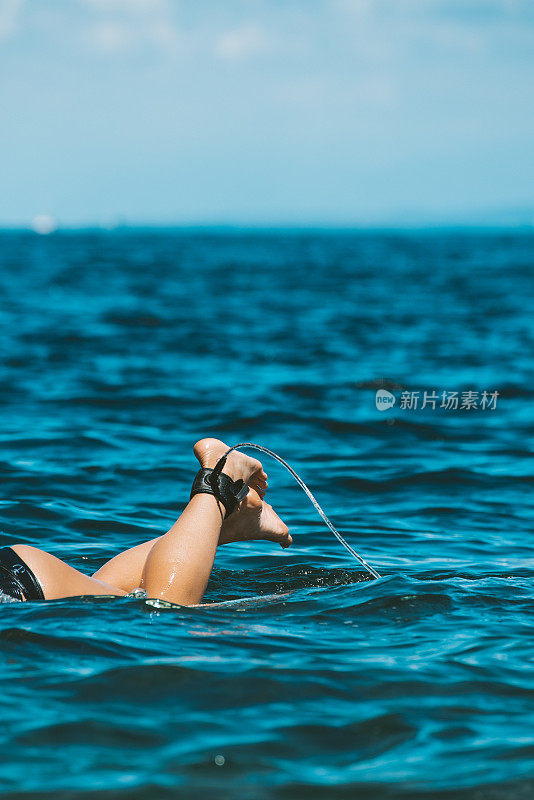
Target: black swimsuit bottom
{"x": 16, "y": 578}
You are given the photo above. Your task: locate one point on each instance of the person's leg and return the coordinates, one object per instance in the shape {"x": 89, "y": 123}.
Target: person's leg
{"x": 253, "y": 519}
{"x": 58, "y": 579}
{"x": 126, "y": 568}
{"x": 179, "y": 564}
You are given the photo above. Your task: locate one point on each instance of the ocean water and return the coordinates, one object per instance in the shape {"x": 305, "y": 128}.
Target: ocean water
{"x": 300, "y": 678}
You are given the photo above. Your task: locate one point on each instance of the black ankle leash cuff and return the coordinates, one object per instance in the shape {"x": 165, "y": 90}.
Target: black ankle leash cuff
{"x": 227, "y": 491}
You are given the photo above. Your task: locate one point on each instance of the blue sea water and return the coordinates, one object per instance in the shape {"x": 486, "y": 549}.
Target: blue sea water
{"x": 300, "y": 678}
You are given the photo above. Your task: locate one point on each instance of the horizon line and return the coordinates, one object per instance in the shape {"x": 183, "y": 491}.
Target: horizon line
{"x": 59, "y": 227}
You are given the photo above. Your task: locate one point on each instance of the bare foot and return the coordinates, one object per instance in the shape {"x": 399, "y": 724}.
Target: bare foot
{"x": 254, "y": 519}
{"x": 238, "y": 466}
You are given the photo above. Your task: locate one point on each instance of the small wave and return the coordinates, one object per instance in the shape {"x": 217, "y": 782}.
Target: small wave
{"x": 447, "y": 477}
{"x": 228, "y": 585}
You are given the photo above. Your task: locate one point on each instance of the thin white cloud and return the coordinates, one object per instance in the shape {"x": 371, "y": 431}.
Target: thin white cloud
{"x": 384, "y": 30}
{"x": 243, "y": 42}
{"x": 122, "y": 25}
{"x": 9, "y": 16}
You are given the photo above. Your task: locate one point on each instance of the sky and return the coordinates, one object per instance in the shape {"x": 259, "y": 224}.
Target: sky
{"x": 267, "y": 112}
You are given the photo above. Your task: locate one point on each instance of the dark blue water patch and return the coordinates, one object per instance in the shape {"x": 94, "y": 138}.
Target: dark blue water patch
{"x": 300, "y": 678}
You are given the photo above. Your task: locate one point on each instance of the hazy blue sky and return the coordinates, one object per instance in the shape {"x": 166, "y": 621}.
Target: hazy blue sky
{"x": 266, "y": 111}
